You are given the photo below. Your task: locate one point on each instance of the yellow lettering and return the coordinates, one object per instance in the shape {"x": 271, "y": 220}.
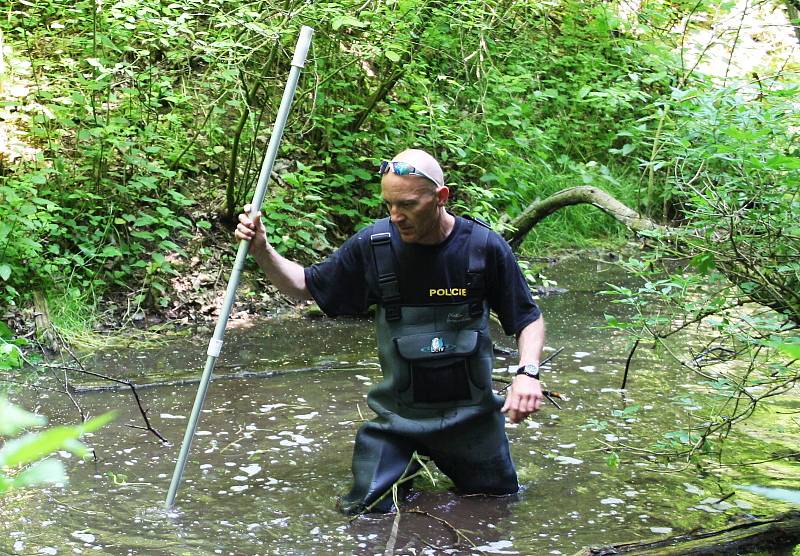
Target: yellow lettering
{"x": 451, "y": 292}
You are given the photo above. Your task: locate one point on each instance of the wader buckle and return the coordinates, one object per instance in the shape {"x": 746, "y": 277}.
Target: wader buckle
{"x": 380, "y": 239}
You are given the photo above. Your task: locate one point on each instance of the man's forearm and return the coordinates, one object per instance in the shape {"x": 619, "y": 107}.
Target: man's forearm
{"x": 288, "y": 276}
{"x": 531, "y": 342}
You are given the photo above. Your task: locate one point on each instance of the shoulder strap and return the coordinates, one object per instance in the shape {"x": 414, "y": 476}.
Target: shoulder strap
{"x": 388, "y": 286}
{"x": 476, "y": 275}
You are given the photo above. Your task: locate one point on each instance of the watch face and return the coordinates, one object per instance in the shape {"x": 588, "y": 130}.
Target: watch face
{"x": 529, "y": 370}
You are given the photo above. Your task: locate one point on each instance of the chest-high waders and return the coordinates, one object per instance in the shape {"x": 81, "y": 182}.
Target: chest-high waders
{"x": 436, "y": 396}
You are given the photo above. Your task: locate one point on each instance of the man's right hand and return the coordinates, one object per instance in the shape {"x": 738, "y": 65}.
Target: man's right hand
{"x": 252, "y": 230}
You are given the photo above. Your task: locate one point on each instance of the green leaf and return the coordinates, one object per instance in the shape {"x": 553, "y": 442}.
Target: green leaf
{"x": 392, "y": 55}
{"x": 49, "y": 471}
{"x": 628, "y": 148}
{"x": 34, "y": 446}
{"x": 781, "y": 162}
{"x": 14, "y": 419}
{"x": 703, "y": 262}
{"x": 346, "y": 21}
{"x": 792, "y": 350}
{"x": 5, "y": 331}
{"x": 110, "y": 251}
{"x": 142, "y": 235}
{"x": 10, "y": 356}
{"x": 144, "y": 220}
{"x": 5, "y": 272}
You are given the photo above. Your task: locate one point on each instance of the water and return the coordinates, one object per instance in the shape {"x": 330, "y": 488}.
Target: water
{"x": 785, "y": 494}
{"x": 272, "y": 454}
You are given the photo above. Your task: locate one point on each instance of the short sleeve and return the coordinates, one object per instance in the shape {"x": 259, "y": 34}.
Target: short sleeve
{"x": 508, "y": 293}
{"x": 338, "y": 284}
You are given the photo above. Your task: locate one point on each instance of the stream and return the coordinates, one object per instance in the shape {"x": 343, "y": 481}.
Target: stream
{"x": 271, "y": 454}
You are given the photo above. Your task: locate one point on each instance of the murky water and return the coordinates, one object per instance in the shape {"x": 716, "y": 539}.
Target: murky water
{"x": 271, "y": 454}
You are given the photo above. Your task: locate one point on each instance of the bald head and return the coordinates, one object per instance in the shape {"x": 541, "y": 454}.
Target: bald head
{"x": 423, "y": 162}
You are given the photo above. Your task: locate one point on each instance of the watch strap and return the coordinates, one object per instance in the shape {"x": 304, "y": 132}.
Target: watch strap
{"x": 529, "y": 370}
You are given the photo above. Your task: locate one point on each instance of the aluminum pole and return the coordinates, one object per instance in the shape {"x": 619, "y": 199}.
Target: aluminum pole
{"x": 215, "y": 345}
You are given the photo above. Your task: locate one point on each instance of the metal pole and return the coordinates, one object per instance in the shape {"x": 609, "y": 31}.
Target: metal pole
{"x": 215, "y": 345}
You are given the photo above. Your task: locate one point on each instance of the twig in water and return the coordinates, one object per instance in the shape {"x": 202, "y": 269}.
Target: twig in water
{"x": 390, "y": 543}
{"x": 128, "y": 383}
{"x": 628, "y": 363}
{"x": 458, "y": 532}
{"x": 725, "y": 497}
{"x": 87, "y": 512}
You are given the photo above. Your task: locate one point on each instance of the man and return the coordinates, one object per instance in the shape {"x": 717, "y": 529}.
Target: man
{"x": 434, "y": 277}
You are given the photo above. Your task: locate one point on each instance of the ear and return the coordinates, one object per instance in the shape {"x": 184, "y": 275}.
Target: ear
{"x": 442, "y": 195}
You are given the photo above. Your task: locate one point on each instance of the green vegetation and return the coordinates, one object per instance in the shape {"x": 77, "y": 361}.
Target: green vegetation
{"x": 149, "y": 121}
{"x": 10, "y": 353}
{"x": 23, "y": 460}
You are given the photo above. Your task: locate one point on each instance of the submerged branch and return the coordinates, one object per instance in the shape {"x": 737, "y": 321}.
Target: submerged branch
{"x": 69, "y": 389}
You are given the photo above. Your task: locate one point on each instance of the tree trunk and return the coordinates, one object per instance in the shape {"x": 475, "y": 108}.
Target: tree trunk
{"x": 41, "y": 318}
{"x": 755, "y": 535}
{"x": 539, "y": 210}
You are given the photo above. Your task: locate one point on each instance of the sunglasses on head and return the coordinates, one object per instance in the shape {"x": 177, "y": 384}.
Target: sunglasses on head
{"x": 402, "y": 169}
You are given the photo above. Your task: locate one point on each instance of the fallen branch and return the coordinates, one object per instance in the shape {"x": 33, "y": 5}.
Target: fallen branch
{"x": 69, "y": 390}
{"x": 541, "y": 209}
{"x": 132, "y": 386}
{"x": 459, "y": 534}
{"x": 190, "y": 381}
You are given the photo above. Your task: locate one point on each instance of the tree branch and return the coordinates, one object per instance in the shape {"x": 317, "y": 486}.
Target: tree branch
{"x": 539, "y": 210}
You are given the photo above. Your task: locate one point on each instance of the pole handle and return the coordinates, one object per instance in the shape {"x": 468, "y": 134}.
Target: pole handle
{"x": 303, "y": 44}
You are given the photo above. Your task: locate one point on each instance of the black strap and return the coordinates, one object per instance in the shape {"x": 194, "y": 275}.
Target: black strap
{"x": 476, "y": 275}
{"x": 388, "y": 286}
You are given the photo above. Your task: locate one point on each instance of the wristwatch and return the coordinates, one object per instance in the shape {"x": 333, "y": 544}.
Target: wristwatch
{"x": 530, "y": 370}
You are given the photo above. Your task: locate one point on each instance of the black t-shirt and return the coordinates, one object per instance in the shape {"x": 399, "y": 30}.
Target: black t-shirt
{"x": 346, "y": 282}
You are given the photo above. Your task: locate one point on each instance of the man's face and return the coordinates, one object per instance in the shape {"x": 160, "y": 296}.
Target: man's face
{"x": 413, "y": 203}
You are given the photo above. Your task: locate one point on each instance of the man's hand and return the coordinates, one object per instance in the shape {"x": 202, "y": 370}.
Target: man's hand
{"x": 524, "y": 397}
{"x": 252, "y": 230}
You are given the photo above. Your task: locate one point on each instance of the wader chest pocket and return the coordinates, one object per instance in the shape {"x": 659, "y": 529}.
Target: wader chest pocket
{"x": 438, "y": 364}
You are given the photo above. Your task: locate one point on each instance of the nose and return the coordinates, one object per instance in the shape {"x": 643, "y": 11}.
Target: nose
{"x": 395, "y": 215}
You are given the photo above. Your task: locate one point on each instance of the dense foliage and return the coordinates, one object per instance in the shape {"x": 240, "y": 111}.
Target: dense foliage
{"x": 150, "y": 119}
{"x": 726, "y": 281}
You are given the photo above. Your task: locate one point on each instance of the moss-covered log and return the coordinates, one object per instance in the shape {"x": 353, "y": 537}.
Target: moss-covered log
{"x": 758, "y": 534}
{"x": 541, "y": 209}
